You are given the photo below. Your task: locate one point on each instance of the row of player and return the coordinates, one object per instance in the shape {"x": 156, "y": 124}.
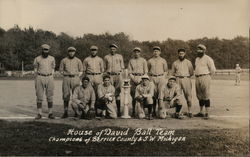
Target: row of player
{"x": 144, "y": 76}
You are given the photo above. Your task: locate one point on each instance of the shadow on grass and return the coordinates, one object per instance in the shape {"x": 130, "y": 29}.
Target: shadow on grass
{"x": 32, "y": 138}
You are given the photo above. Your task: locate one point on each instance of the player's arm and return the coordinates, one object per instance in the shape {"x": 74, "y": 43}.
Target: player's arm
{"x": 93, "y": 99}
{"x": 122, "y": 63}
{"x": 151, "y": 92}
{"x": 84, "y": 67}
{"x": 75, "y": 98}
{"x": 211, "y": 66}
{"x": 80, "y": 68}
{"x": 53, "y": 65}
{"x": 165, "y": 68}
{"x": 173, "y": 69}
{"x": 61, "y": 67}
{"x": 35, "y": 66}
{"x": 145, "y": 66}
{"x": 190, "y": 69}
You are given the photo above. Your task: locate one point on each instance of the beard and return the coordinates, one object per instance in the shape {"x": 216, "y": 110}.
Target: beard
{"x": 71, "y": 57}
{"x": 45, "y": 55}
{"x": 200, "y": 55}
{"x": 181, "y": 58}
{"x": 93, "y": 55}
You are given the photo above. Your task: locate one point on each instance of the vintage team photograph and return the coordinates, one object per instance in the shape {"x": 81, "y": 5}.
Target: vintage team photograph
{"x": 124, "y": 78}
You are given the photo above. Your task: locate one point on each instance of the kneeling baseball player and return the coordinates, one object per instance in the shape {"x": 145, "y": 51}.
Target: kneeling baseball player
{"x": 83, "y": 100}
{"x": 106, "y": 99}
{"x": 169, "y": 97}
{"x": 144, "y": 97}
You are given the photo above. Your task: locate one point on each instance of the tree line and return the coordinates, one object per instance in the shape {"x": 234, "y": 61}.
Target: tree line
{"x": 23, "y": 45}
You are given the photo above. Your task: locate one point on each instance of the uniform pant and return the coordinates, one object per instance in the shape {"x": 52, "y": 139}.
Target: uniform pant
{"x": 158, "y": 82}
{"x": 68, "y": 86}
{"x": 237, "y": 77}
{"x": 134, "y": 82}
{"x": 80, "y": 107}
{"x": 202, "y": 85}
{"x": 44, "y": 83}
{"x": 186, "y": 86}
{"x": 148, "y": 102}
{"x": 95, "y": 80}
{"x": 109, "y": 108}
{"x": 116, "y": 82}
{"x": 166, "y": 105}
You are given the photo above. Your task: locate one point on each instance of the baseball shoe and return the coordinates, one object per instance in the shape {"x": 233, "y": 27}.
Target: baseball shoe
{"x": 154, "y": 114}
{"x": 51, "y": 116}
{"x": 65, "y": 115}
{"x": 83, "y": 116}
{"x": 199, "y": 115}
{"x": 177, "y": 116}
{"x": 206, "y": 116}
{"x": 76, "y": 115}
{"x": 38, "y": 116}
{"x": 190, "y": 115}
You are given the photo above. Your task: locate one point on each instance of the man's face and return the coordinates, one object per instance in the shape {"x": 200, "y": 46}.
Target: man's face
{"x": 113, "y": 50}
{"x": 106, "y": 81}
{"x": 171, "y": 83}
{"x": 200, "y": 52}
{"x": 181, "y": 55}
{"x": 93, "y": 52}
{"x": 45, "y": 52}
{"x": 145, "y": 82}
{"x": 71, "y": 54}
{"x": 156, "y": 53}
{"x": 137, "y": 54}
{"x": 85, "y": 83}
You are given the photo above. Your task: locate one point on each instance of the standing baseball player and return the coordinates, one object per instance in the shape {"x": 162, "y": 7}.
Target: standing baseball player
{"x": 71, "y": 68}
{"x": 169, "y": 97}
{"x": 106, "y": 99}
{"x": 44, "y": 66}
{"x": 83, "y": 99}
{"x": 114, "y": 65}
{"x": 237, "y": 74}
{"x": 182, "y": 69}
{"x": 204, "y": 68}
{"x": 158, "y": 70}
{"x": 93, "y": 67}
{"x": 144, "y": 97}
{"x": 137, "y": 67}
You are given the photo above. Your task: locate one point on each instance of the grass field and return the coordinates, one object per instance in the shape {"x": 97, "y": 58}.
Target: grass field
{"x": 225, "y": 133}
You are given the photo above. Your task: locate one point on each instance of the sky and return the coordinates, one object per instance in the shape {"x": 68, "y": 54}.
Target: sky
{"x": 141, "y": 19}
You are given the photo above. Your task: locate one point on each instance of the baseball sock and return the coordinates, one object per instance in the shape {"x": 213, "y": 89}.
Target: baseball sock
{"x": 207, "y": 109}
{"x": 39, "y": 108}
{"x": 150, "y": 108}
{"x": 178, "y": 108}
{"x": 207, "y": 103}
{"x": 118, "y": 105}
{"x": 50, "y": 105}
{"x": 201, "y": 102}
{"x": 66, "y": 105}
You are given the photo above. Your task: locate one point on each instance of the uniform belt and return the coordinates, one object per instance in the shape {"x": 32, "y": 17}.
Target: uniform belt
{"x": 183, "y": 76}
{"x": 70, "y": 75}
{"x": 93, "y": 73}
{"x": 44, "y": 74}
{"x": 137, "y": 74}
{"x": 113, "y": 73}
{"x": 156, "y": 75}
{"x": 201, "y": 75}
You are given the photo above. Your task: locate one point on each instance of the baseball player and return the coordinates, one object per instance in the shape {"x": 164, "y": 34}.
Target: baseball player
{"x": 237, "y": 74}
{"x": 93, "y": 67}
{"x": 71, "y": 68}
{"x": 114, "y": 65}
{"x": 204, "y": 68}
{"x": 137, "y": 67}
{"x": 158, "y": 70}
{"x": 169, "y": 97}
{"x": 182, "y": 69}
{"x": 106, "y": 99}
{"x": 44, "y": 66}
{"x": 144, "y": 97}
{"x": 83, "y": 99}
